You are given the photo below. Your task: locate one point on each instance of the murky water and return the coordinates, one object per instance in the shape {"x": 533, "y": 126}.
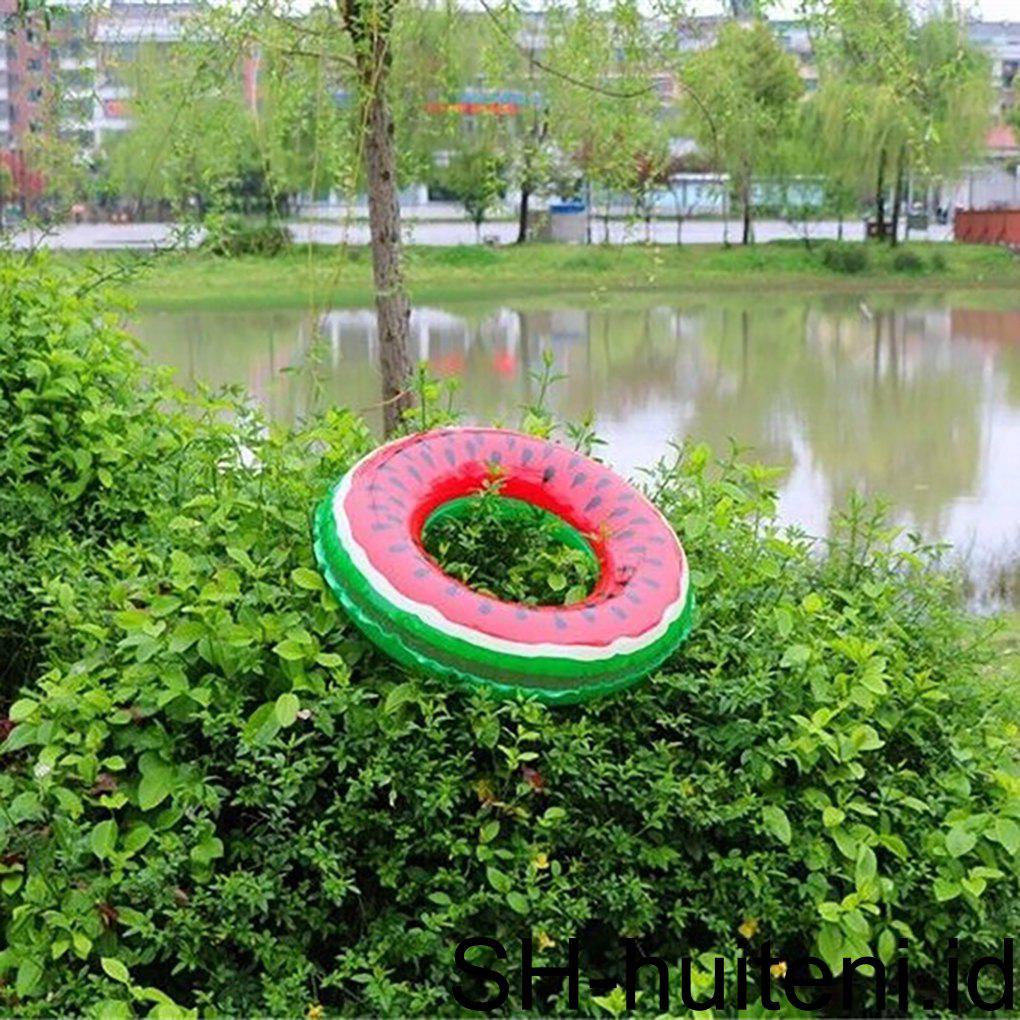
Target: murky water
{"x": 916, "y": 398}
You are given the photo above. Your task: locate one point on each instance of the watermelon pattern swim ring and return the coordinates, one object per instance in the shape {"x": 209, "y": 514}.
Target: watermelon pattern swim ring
{"x": 368, "y": 545}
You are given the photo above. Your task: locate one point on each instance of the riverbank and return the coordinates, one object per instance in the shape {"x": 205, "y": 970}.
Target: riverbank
{"x": 319, "y": 277}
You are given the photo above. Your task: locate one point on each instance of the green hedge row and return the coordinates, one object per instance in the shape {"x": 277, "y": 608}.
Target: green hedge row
{"x": 216, "y": 797}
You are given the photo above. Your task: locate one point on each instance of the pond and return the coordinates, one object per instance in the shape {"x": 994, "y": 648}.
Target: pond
{"x": 912, "y": 397}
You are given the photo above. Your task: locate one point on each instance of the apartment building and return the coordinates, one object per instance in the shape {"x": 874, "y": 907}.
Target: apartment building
{"x": 67, "y": 77}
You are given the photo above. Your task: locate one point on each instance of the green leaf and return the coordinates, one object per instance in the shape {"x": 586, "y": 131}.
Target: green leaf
{"x": 556, "y": 581}
{"x": 945, "y": 889}
{"x": 499, "y": 880}
{"x": 310, "y": 580}
{"x": 262, "y": 724}
{"x": 776, "y": 822}
{"x": 1006, "y": 832}
{"x": 488, "y": 831}
{"x": 137, "y": 837}
{"x": 103, "y": 838}
{"x": 867, "y": 865}
{"x": 185, "y": 635}
{"x": 830, "y": 947}
{"x": 287, "y": 707}
{"x": 29, "y": 973}
{"x": 795, "y": 655}
{"x": 832, "y": 816}
{"x": 291, "y": 650}
{"x": 115, "y": 969}
{"x": 959, "y": 841}
{"x": 154, "y": 786}
{"x": 23, "y": 708}
{"x": 518, "y": 902}
{"x": 400, "y": 695}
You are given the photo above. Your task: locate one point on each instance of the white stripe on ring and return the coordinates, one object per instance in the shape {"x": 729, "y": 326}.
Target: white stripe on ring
{"x": 434, "y": 617}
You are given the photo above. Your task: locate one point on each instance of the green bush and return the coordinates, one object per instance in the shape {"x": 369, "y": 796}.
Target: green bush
{"x": 846, "y": 258}
{"x": 907, "y": 261}
{"x": 232, "y": 236}
{"x": 939, "y": 263}
{"x": 215, "y": 794}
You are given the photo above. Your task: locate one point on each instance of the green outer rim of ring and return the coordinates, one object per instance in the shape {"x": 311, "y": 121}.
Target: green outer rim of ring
{"x": 413, "y": 643}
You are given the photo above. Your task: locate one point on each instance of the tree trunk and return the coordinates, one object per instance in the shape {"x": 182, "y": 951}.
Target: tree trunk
{"x": 745, "y": 199}
{"x": 522, "y": 219}
{"x": 392, "y": 309}
{"x": 369, "y": 25}
{"x": 880, "y": 196}
{"x": 898, "y": 199}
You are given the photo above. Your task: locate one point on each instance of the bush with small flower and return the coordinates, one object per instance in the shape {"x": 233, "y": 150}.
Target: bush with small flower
{"x": 216, "y": 797}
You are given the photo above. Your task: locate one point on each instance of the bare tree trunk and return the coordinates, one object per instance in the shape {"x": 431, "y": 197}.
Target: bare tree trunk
{"x": 369, "y": 24}
{"x": 745, "y": 200}
{"x": 522, "y": 218}
{"x": 880, "y": 196}
{"x": 898, "y": 199}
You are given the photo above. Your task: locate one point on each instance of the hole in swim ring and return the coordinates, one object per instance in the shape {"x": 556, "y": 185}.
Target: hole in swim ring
{"x": 511, "y": 550}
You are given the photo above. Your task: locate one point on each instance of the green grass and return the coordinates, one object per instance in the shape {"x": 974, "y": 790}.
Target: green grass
{"x": 317, "y": 276}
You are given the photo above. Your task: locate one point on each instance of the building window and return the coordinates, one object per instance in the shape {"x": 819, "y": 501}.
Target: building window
{"x": 34, "y": 95}
{"x": 35, "y": 64}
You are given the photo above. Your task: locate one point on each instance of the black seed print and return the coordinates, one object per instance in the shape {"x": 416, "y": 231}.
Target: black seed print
{"x": 427, "y": 457}
{"x": 579, "y": 479}
{"x": 484, "y": 608}
{"x": 618, "y": 613}
{"x": 603, "y": 482}
{"x": 588, "y": 614}
{"x": 640, "y": 522}
{"x": 521, "y": 614}
{"x": 594, "y": 503}
{"x": 634, "y": 598}
{"x": 655, "y": 562}
{"x": 649, "y": 583}
{"x": 511, "y": 442}
{"x": 573, "y": 462}
{"x": 399, "y": 547}
{"x": 548, "y": 474}
{"x": 471, "y": 448}
{"x": 396, "y": 501}
{"x": 422, "y": 572}
{"x": 453, "y": 591}
{"x": 561, "y": 624}
{"x": 448, "y": 454}
{"x": 657, "y": 539}
{"x": 414, "y": 472}
{"x": 527, "y": 455}
{"x": 373, "y": 487}
{"x": 624, "y": 535}
{"x": 620, "y": 511}
{"x": 393, "y": 518}
{"x": 627, "y": 496}
{"x": 380, "y": 527}
{"x": 496, "y": 458}
{"x": 394, "y": 480}
{"x": 636, "y": 550}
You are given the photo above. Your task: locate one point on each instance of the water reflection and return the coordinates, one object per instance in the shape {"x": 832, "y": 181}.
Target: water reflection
{"x": 915, "y": 398}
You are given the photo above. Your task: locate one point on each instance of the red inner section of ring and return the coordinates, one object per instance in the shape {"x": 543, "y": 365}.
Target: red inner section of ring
{"x": 471, "y": 481}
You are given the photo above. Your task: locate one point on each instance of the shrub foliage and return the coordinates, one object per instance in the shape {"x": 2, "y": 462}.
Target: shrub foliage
{"x": 216, "y": 797}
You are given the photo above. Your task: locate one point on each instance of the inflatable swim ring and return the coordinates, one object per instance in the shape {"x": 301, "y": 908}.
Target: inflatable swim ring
{"x": 368, "y": 545}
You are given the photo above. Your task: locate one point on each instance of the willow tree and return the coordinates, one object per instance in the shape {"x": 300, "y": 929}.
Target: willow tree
{"x": 741, "y": 95}
{"x": 901, "y": 97}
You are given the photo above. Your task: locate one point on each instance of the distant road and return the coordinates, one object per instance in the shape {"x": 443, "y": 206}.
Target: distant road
{"x": 114, "y": 236}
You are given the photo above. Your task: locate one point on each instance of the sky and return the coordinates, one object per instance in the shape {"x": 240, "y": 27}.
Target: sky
{"x": 986, "y": 10}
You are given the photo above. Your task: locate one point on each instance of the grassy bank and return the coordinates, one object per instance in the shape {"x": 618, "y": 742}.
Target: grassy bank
{"x": 342, "y": 277}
